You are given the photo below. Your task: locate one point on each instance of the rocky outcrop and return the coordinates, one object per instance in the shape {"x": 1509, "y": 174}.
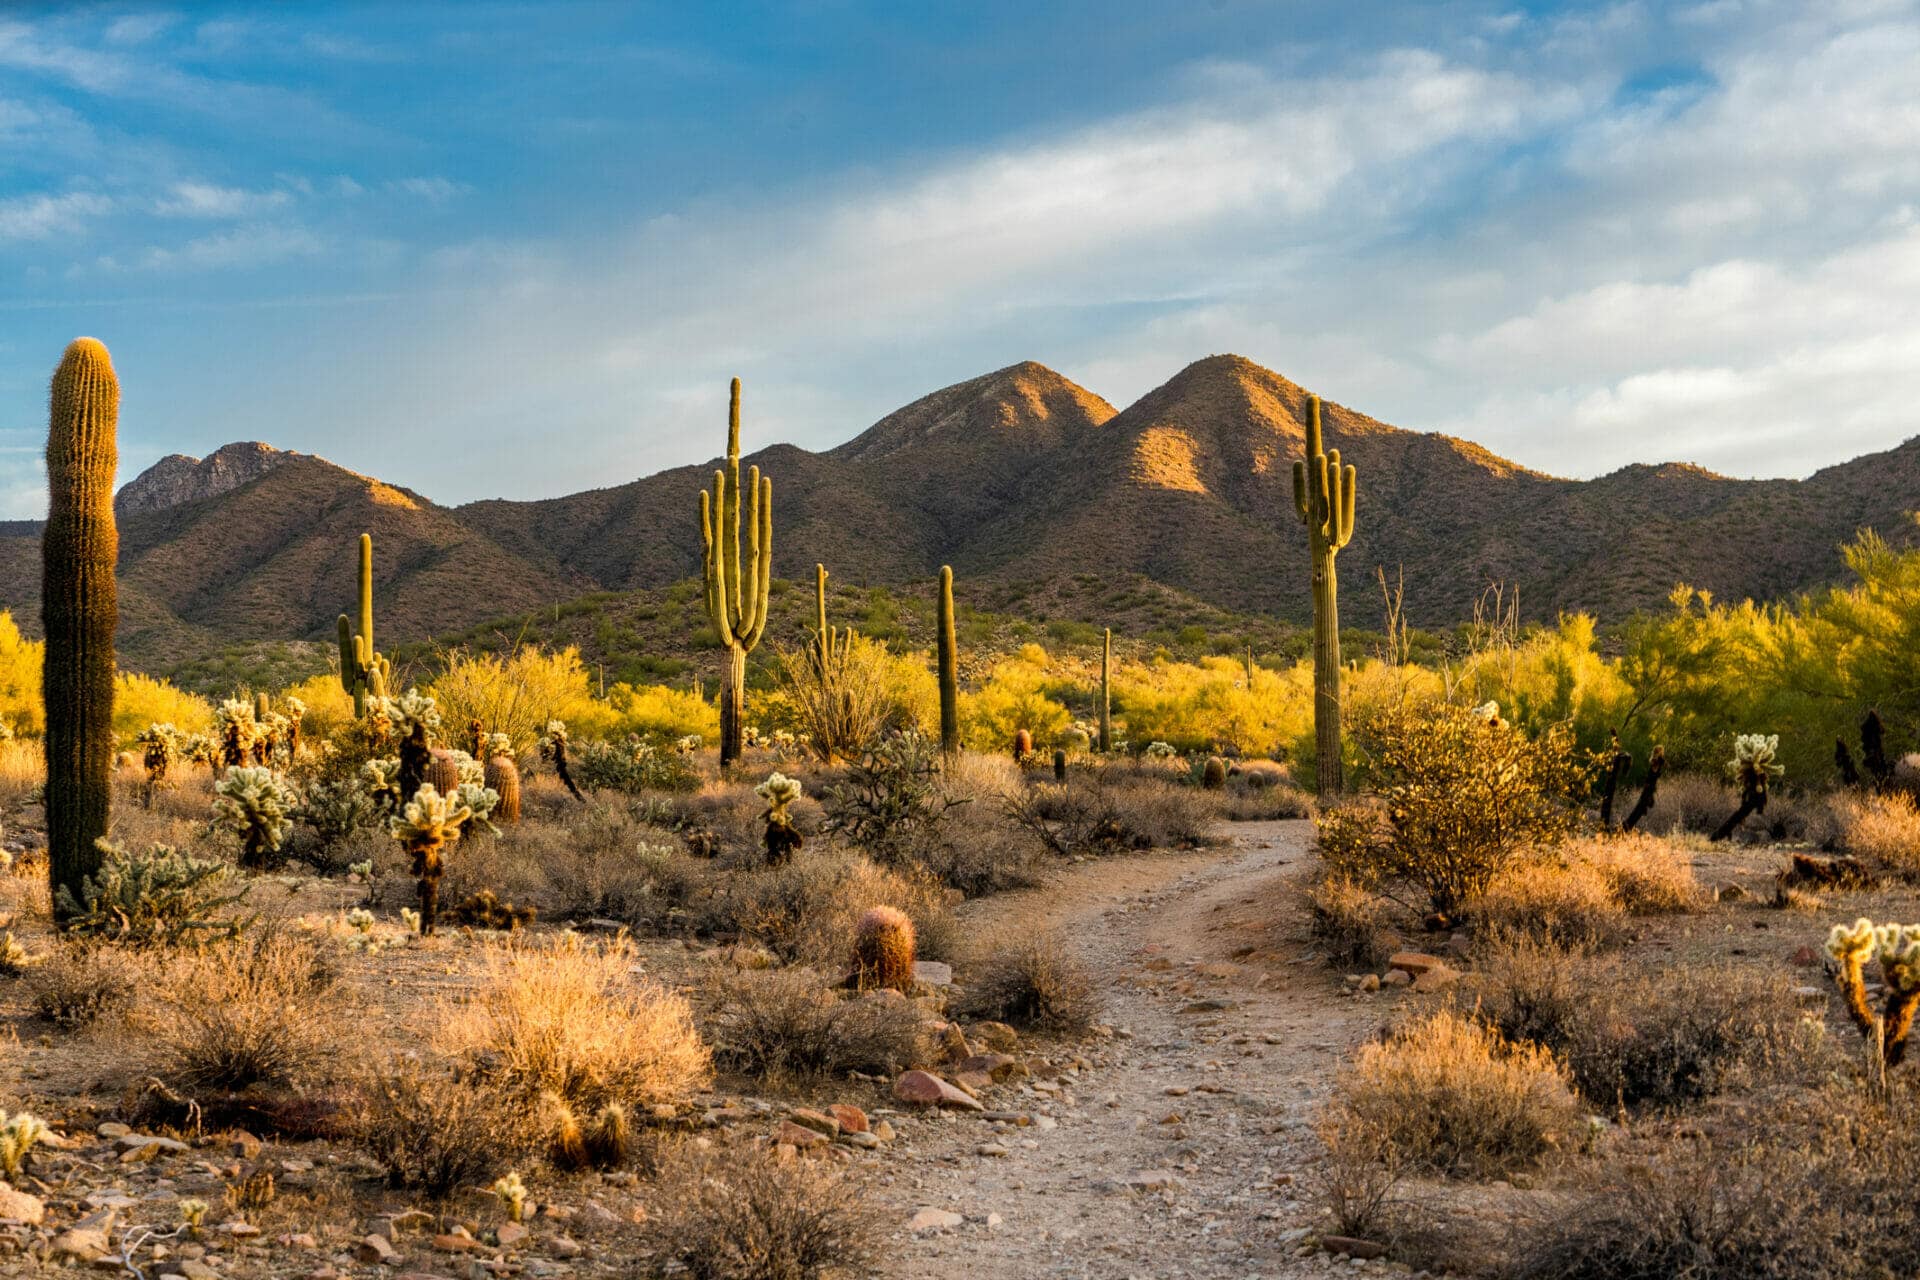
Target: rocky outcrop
{"x": 177, "y": 479}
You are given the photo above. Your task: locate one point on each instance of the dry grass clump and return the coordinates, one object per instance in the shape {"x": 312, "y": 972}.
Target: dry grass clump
{"x": 977, "y": 850}
{"x": 788, "y": 1023}
{"x": 741, "y": 1213}
{"x": 1884, "y": 829}
{"x": 1826, "y": 1190}
{"x": 806, "y": 910}
{"x": 81, "y": 982}
{"x": 1645, "y": 875}
{"x": 1030, "y": 980}
{"x": 257, "y": 1011}
{"x": 601, "y": 861}
{"x": 23, "y": 767}
{"x": 1630, "y": 1037}
{"x": 1451, "y": 1094}
{"x": 1350, "y": 919}
{"x": 1247, "y": 802}
{"x": 1550, "y": 898}
{"x": 569, "y": 1019}
{"x": 435, "y": 1132}
{"x": 1690, "y": 802}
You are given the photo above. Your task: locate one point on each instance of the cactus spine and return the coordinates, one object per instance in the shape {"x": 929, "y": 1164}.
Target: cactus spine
{"x": 1106, "y": 693}
{"x": 949, "y": 648}
{"x": 79, "y": 609}
{"x": 363, "y": 672}
{"x": 1323, "y": 492}
{"x": 736, "y": 588}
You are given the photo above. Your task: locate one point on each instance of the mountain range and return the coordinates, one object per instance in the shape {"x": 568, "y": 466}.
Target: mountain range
{"x": 1017, "y": 475}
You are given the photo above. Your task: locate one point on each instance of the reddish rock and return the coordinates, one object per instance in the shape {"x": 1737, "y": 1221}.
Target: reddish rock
{"x": 818, "y": 1121}
{"x": 1414, "y": 962}
{"x": 850, "y": 1119}
{"x": 925, "y": 1089}
{"x": 800, "y": 1139}
{"x": 995, "y": 1066}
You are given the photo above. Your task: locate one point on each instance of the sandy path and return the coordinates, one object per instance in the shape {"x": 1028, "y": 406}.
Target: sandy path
{"x": 1176, "y": 1147}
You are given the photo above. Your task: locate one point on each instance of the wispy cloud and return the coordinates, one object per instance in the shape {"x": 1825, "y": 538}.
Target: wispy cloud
{"x": 205, "y": 200}
{"x": 39, "y": 216}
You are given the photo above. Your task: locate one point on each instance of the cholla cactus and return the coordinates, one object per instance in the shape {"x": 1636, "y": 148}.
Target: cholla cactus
{"x": 1158, "y": 750}
{"x": 779, "y": 791}
{"x": 481, "y": 799}
{"x": 512, "y": 1193}
{"x": 554, "y": 747}
{"x": 414, "y": 708}
{"x": 160, "y": 745}
{"x": 689, "y": 744}
{"x": 18, "y": 1134}
{"x": 1897, "y": 949}
{"x": 411, "y": 918}
{"x": 424, "y": 828}
{"x": 1490, "y": 712}
{"x": 13, "y": 956}
{"x": 1753, "y": 767}
{"x": 258, "y": 807}
{"x": 499, "y": 744}
{"x": 193, "y": 1214}
{"x": 238, "y": 732}
{"x": 360, "y": 920}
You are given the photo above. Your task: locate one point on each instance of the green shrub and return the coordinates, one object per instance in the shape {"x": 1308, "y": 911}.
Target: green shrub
{"x": 161, "y": 896}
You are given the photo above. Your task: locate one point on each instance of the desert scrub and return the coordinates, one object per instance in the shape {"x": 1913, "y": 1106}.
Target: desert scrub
{"x": 1630, "y": 1038}
{"x": 1453, "y": 1095}
{"x": 1464, "y": 797}
{"x": 1553, "y": 898}
{"x": 1030, "y": 980}
{"x": 259, "y": 1011}
{"x": 791, "y": 1023}
{"x": 806, "y": 910}
{"x": 1644, "y": 874}
{"x": 1883, "y": 829}
{"x": 1349, "y": 920}
{"x": 890, "y": 798}
{"x": 740, "y": 1213}
{"x": 81, "y": 981}
{"x": 570, "y": 1019}
{"x": 436, "y": 1132}
{"x": 158, "y": 897}
{"x": 632, "y": 766}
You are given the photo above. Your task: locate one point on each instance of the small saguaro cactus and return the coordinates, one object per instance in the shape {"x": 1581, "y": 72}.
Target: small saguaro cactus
{"x": 1059, "y": 765}
{"x": 782, "y": 838}
{"x": 1106, "y": 693}
{"x": 883, "y": 951}
{"x": 736, "y": 586}
{"x": 1897, "y": 948}
{"x": 428, "y": 824}
{"x": 79, "y": 608}
{"x": 1323, "y": 494}
{"x": 949, "y": 647}
{"x": 363, "y": 672}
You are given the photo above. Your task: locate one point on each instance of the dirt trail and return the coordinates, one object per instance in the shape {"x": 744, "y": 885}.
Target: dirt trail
{"x": 1177, "y": 1148}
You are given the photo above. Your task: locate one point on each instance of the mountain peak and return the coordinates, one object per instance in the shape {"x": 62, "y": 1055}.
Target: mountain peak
{"x": 1024, "y": 405}
{"x": 178, "y": 478}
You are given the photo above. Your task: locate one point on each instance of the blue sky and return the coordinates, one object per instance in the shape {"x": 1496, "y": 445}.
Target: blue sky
{"x": 495, "y": 249}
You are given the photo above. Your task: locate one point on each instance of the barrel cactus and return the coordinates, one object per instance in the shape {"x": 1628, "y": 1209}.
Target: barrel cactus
{"x": 883, "y": 950}
{"x": 503, "y": 778}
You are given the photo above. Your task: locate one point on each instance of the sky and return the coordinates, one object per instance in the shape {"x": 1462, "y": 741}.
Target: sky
{"x": 517, "y": 250}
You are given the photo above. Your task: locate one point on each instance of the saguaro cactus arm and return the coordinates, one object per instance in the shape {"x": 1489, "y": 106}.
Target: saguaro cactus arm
{"x": 736, "y": 585}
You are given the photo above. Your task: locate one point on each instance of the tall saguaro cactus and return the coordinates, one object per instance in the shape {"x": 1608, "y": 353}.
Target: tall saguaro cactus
{"x": 949, "y": 650}
{"x": 79, "y": 608}
{"x": 736, "y": 585}
{"x": 1106, "y": 693}
{"x": 1323, "y": 492}
{"x": 363, "y": 672}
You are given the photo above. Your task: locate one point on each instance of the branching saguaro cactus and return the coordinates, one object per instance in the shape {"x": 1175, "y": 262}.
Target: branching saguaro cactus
{"x": 736, "y": 585}
{"x": 79, "y": 608}
{"x": 1323, "y": 492}
{"x": 363, "y": 672}
{"x": 1897, "y": 948}
{"x": 949, "y": 646}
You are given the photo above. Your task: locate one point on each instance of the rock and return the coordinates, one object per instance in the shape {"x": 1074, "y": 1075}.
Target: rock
{"x": 113, "y": 1129}
{"x": 1207, "y": 1006}
{"x": 818, "y": 1121}
{"x": 1459, "y": 946}
{"x": 377, "y": 1250}
{"x": 799, "y": 1137}
{"x": 86, "y": 1239}
{"x": 177, "y": 478}
{"x": 1414, "y": 963}
{"x": 883, "y": 1131}
{"x": 565, "y": 1247}
{"x": 990, "y": 1149}
{"x": 1397, "y": 978}
{"x": 511, "y": 1233}
{"x": 1805, "y": 958}
{"x": 933, "y": 1220}
{"x": 1436, "y": 979}
{"x": 925, "y": 1089}
{"x": 1152, "y": 1180}
{"x": 1352, "y": 1248}
{"x": 1368, "y": 983}
{"x": 933, "y": 973}
{"x": 456, "y": 1244}
{"x": 953, "y": 1044}
{"x": 997, "y": 1036}
{"x": 997, "y": 1067}
{"x": 973, "y": 1081}
{"x": 850, "y": 1119}
{"x": 18, "y": 1206}
{"x": 194, "y": 1269}
{"x": 863, "y": 1140}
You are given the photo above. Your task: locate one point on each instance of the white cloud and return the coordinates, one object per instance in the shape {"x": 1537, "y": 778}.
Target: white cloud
{"x": 138, "y": 28}
{"x": 247, "y": 246}
{"x": 434, "y": 190}
{"x": 204, "y": 200}
{"x": 39, "y": 216}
